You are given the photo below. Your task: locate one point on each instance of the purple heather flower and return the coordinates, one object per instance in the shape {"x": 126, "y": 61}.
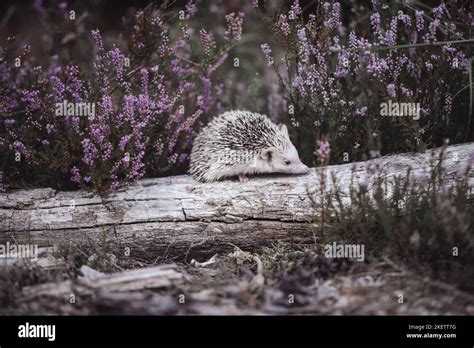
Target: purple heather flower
{"x": 172, "y": 159}
{"x": 353, "y": 40}
{"x": 58, "y": 88}
{"x": 50, "y": 128}
{"x": 377, "y": 66}
{"x": 296, "y": 8}
{"x": 405, "y": 19}
{"x": 406, "y": 91}
{"x": 9, "y": 122}
{"x": 439, "y": 10}
{"x": 206, "y": 98}
{"x": 191, "y": 8}
{"x": 391, "y": 90}
{"x": 390, "y": 38}
{"x": 420, "y": 21}
{"x": 76, "y": 175}
{"x": 158, "y": 148}
{"x": 304, "y": 51}
{"x": 335, "y": 16}
{"x": 106, "y": 152}
{"x": 97, "y": 38}
{"x": 18, "y": 145}
{"x": 283, "y": 25}
{"x": 207, "y": 41}
{"x": 362, "y": 111}
{"x": 31, "y": 100}
{"x": 375, "y": 22}
{"x": 26, "y": 49}
{"x": 432, "y": 27}
{"x": 234, "y": 26}
{"x": 323, "y": 149}
{"x": 218, "y": 63}
{"x": 267, "y": 51}
{"x": 90, "y": 152}
{"x": 126, "y": 159}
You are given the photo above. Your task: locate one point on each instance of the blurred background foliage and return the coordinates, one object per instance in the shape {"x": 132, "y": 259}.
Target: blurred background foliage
{"x": 322, "y": 67}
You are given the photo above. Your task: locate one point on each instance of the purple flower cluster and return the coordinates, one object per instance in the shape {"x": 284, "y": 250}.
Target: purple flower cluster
{"x": 234, "y": 26}
{"x": 145, "y": 108}
{"x": 207, "y": 41}
{"x": 323, "y": 151}
{"x": 267, "y": 51}
{"x": 333, "y": 71}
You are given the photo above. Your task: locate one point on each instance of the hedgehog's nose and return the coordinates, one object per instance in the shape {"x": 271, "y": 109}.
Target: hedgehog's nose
{"x": 305, "y": 168}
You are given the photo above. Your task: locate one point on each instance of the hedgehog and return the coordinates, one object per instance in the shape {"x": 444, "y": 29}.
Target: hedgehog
{"x": 238, "y": 143}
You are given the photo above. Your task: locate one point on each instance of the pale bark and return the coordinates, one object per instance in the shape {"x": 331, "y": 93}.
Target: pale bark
{"x": 162, "y": 276}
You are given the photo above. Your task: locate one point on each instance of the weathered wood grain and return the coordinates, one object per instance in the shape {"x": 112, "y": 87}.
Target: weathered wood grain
{"x": 133, "y": 280}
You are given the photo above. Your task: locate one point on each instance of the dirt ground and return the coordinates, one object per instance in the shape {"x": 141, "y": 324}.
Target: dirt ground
{"x": 282, "y": 279}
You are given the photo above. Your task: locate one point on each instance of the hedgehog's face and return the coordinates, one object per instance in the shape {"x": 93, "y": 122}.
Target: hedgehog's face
{"x": 284, "y": 161}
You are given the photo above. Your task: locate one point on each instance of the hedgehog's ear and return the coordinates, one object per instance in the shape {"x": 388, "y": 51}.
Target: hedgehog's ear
{"x": 267, "y": 153}
{"x": 283, "y": 129}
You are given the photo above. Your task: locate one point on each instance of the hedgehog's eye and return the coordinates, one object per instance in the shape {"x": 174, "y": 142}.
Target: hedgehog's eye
{"x": 287, "y": 162}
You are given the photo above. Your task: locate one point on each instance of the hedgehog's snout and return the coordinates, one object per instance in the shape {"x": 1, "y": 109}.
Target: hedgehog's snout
{"x": 302, "y": 169}
{"x": 296, "y": 167}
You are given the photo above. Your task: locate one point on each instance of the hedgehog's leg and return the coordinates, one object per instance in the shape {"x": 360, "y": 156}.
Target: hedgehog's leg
{"x": 243, "y": 178}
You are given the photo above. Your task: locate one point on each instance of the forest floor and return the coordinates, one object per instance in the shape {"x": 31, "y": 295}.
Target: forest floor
{"x": 276, "y": 280}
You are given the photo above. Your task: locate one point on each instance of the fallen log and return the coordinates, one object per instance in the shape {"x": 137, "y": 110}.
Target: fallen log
{"x": 134, "y": 280}
{"x": 177, "y": 215}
